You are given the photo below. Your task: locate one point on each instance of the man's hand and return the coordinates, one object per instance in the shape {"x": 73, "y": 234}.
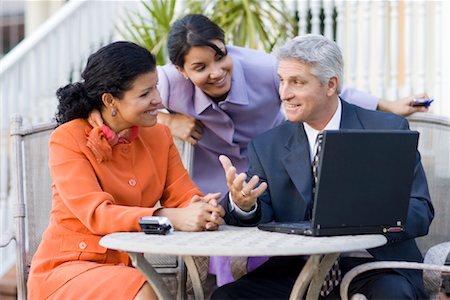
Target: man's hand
{"x": 244, "y": 194}
{"x": 402, "y": 106}
{"x": 182, "y": 126}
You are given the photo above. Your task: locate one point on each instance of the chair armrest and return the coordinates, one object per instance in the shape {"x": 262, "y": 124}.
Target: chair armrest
{"x": 435, "y": 255}
{"x": 7, "y": 237}
{"x": 385, "y": 265}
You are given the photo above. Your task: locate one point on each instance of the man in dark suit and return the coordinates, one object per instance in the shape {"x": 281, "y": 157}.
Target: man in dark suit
{"x": 278, "y": 184}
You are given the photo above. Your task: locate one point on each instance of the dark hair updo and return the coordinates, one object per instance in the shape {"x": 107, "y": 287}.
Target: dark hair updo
{"x": 190, "y": 31}
{"x": 112, "y": 69}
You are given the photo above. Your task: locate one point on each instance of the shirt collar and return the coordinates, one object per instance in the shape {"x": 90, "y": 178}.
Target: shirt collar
{"x": 333, "y": 124}
{"x": 238, "y": 92}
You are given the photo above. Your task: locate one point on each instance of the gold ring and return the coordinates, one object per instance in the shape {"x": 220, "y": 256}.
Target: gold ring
{"x": 243, "y": 193}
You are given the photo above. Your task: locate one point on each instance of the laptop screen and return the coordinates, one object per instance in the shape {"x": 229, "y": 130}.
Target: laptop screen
{"x": 364, "y": 181}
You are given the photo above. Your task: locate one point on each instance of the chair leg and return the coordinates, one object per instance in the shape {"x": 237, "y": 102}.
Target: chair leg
{"x": 181, "y": 278}
{"x": 153, "y": 278}
{"x": 195, "y": 278}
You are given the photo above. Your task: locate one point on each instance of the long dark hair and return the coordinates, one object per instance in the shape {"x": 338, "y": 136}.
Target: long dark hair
{"x": 190, "y": 31}
{"x": 112, "y": 69}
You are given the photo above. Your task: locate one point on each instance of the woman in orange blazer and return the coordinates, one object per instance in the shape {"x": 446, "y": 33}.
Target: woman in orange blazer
{"x": 109, "y": 169}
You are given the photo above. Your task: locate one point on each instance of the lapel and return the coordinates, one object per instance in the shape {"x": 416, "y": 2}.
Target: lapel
{"x": 298, "y": 163}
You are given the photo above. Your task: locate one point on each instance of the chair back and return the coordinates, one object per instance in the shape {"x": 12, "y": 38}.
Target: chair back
{"x": 186, "y": 151}
{"x": 434, "y": 147}
{"x": 32, "y": 182}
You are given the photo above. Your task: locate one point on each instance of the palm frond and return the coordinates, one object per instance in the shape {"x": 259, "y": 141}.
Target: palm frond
{"x": 249, "y": 23}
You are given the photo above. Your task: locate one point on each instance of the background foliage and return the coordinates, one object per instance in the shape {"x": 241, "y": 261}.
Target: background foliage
{"x": 259, "y": 24}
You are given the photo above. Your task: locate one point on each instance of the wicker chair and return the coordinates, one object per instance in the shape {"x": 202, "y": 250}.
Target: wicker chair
{"x": 434, "y": 146}
{"x": 32, "y": 183}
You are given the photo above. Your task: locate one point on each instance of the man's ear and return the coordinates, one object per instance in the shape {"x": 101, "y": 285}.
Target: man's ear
{"x": 332, "y": 85}
{"x": 108, "y": 99}
{"x": 182, "y": 71}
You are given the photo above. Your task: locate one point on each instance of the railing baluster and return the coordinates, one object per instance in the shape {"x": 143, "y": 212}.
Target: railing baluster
{"x": 381, "y": 46}
{"x": 367, "y": 48}
{"x": 393, "y": 62}
{"x": 353, "y": 45}
{"x": 315, "y": 16}
{"x": 328, "y": 7}
{"x": 35, "y": 78}
{"x": 302, "y": 7}
{"x": 340, "y": 25}
{"x": 420, "y": 46}
{"x": 408, "y": 48}
{"x": 437, "y": 54}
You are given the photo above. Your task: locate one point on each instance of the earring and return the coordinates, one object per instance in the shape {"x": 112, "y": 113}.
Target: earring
{"x": 185, "y": 77}
{"x": 114, "y": 112}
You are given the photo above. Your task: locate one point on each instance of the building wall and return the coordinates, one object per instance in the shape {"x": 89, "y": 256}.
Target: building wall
{"x": 20, "y": 18}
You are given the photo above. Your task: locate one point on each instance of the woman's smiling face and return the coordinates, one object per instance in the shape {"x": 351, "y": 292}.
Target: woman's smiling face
{"x": 139, "y": 105}
{"x": 208, "y": 70}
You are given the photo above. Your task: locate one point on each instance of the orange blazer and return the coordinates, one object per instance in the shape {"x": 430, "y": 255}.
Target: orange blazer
{"x": 92, "y": 199}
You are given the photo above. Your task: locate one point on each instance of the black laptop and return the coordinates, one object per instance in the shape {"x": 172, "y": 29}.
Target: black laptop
{"x": 364, "y": 184}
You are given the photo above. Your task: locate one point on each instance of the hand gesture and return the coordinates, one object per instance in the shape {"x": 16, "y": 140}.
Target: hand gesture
{"x": 244, "y": 194}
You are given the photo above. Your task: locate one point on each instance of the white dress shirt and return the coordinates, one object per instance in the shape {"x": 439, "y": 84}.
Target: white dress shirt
{"x": 333, "y": 124}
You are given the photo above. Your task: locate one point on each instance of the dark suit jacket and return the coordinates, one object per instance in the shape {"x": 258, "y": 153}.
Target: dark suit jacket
{"x": 281, "y": 157}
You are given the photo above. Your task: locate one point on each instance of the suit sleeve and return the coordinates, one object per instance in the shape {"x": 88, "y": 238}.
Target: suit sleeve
{"x": 359, "y": 98}
{"x": 420, "y": 211}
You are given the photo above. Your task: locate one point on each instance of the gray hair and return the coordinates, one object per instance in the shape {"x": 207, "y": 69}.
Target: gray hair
{"x": 322, "y": 54}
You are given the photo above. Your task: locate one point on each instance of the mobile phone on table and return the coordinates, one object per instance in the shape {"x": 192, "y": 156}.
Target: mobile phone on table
{"x": 421, "y": 102}
{"x": 155, "y": 225}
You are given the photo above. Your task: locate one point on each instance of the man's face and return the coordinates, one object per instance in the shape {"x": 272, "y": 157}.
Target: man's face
{"x": 304, "y": 97}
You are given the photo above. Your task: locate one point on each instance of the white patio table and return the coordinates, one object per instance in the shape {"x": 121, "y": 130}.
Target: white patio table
{"x": 239, "y": 241}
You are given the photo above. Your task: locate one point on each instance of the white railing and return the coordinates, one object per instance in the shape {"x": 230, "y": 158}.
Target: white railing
{"x": 391, "y": 49}
{"x": 50, "y": 58}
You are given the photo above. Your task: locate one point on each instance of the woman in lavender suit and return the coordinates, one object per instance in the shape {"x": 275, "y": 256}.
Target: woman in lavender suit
{"x": 220, "y": 97}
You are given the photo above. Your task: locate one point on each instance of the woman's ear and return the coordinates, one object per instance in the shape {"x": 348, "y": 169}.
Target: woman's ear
{"x": 107, "y": 99}
{"x": 182, "y": 71}
{"x": 332, "y": 85}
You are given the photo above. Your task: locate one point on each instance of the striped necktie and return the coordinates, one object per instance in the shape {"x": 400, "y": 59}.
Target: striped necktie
{"x": 315, "y": 161}
{"x": 333, "y": 277}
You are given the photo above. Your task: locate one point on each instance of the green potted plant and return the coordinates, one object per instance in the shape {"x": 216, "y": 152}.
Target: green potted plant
{"x": 257, "y": 24}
